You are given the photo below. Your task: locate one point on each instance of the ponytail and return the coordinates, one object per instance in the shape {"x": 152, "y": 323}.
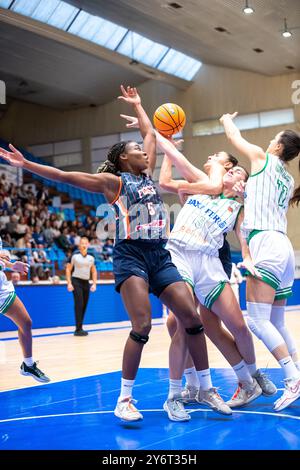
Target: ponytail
{"x": 112, "y": 163}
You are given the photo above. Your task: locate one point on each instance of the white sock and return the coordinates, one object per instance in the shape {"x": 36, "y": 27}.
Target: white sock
{"x": 204, "y": 379}
{"x": 191, "y": 377}
{"x": 288, "y": 366}
{"x": 175, "y": 387}
{"x": 252, "y": 368}
{"x": 28, "y": 361}
{"x": 242, "y": 372}
{"x": 126, "y": 389}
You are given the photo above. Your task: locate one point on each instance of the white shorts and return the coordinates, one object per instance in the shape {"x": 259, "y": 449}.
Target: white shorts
{"x": 204, "y": 273}
{"x": 7, "y": 293}
{"x": 273, "y": 256}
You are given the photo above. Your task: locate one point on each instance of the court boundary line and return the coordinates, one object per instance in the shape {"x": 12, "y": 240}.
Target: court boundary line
{"x": 156, "y": 322}
{"x": 45, "y": 335}
{"x": 155, "y": 410}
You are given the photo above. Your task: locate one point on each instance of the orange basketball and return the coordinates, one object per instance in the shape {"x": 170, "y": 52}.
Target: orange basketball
{"x": 169, "y": 119}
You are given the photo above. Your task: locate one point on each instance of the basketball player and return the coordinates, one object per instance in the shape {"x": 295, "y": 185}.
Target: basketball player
{"x": 78, "y": 273}
{"x": 12, "y": 307}
{"x": 200, "y": 235}
{"x": 268, "y": 193}
{"x": 193, "y": 243}
{"x": 140, "y": 259}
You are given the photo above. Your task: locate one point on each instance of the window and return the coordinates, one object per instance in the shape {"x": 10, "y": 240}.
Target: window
{"x": 246, "y": 121}
{"x": 93, "y": 28}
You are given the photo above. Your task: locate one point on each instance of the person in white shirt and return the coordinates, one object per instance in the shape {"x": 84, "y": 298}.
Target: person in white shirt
{"x": 78, "y": 273}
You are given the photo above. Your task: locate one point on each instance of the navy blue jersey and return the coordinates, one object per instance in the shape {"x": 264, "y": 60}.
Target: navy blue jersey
{"x": 140, "y": 212}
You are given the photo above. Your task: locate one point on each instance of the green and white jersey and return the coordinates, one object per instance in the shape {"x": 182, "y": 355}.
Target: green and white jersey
{"x": 267, "y": 196}
{"x": 202, "y": 221}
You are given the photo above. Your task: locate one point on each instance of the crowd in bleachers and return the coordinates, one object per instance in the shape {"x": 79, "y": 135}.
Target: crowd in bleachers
{"x": 43, "y": 235}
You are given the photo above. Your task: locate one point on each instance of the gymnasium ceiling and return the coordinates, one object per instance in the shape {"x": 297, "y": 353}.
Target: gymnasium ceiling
{"x": 43, "y": 70}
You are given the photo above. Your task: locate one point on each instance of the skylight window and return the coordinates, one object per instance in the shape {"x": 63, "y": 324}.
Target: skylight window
{"x": 179, "y": 64}
{"x": 54, "y": 12}
{"x": 96, "y": 29}
{"x": 142, "y": 49}
{"x": 93, "y": 28}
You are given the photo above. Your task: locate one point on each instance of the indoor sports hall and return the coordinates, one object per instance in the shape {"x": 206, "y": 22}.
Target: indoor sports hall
{"x": 81, "y": 271}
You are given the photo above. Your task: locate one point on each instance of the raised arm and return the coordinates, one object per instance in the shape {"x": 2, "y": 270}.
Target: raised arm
{"x": 105, "y": 183}
{"x": 186, "y": 169}
{"x": 131, "y": 96}
{"x": 213, "y": 185}
{"x": 166, "y": 181}
{"x": 255, "y": 153}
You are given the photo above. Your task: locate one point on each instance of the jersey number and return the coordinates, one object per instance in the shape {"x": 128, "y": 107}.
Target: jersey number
{"x": 283, "y": 193}
{"x": 151, "y": 208}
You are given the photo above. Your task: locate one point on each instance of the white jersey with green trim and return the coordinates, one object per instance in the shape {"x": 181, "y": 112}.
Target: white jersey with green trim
{"x": 202, "y": 221}
{"x": 267, "y": 196}
{"x": 6, "y": 286}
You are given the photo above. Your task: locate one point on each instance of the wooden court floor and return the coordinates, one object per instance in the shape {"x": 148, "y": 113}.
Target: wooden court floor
{"x": 62, "y": 356}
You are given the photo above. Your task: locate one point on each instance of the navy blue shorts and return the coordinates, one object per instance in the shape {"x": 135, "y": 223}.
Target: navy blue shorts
{"x": 225, "y": 257}
{"x": 150, "y": 262}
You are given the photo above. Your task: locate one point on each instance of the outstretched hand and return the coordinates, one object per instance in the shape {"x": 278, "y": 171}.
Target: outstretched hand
{"x": 130, "y": 95}
{"x": 239, "y": 189}
{"x": 20, "y": 267}
{"x": 228, "y": 115}
{"x": 133, "y": 122}
{"x": 14, "y": 158}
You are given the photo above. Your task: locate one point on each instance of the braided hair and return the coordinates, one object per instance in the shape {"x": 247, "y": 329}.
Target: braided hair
{"x": 112, "y": 162}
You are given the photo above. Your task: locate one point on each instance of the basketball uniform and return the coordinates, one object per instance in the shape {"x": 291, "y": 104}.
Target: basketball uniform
{"x": 7, "y": 291}
{"x": 141, "y": 223}
{"x": 196, "y": 239}
{"x": 267, "y": 196}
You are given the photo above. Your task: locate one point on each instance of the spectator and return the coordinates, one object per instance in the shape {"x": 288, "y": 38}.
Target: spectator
{"x": 38, "y": 237}
{"x": 15, "y": 278}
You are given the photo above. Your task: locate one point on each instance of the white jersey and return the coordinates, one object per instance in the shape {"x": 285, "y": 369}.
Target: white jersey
{"x": 202, "y": 222}
{"x": 6, "y": 286}
{"x": 267, "y": 196}
{"x": 82, "y": 266}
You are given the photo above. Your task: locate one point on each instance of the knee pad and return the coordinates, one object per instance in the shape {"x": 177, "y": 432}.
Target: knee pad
{"x": 259, "y": 321}
{"x": 278, "y": 320}
{"x": 195, "y": 330}
{"x": 138, "y": 338}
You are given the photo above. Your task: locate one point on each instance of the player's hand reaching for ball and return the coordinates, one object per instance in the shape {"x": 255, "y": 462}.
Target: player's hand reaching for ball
{"x": 130, "y": 96}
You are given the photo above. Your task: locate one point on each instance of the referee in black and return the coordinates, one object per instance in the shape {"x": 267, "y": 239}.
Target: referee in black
{"x": 78, "y": 273}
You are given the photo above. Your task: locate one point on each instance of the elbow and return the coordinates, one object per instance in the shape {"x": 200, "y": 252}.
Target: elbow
{"x": 163, "y": 185}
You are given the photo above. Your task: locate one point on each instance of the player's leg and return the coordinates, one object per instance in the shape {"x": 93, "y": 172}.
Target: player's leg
{"x": 135, "y": 296}
{"x": 19, "y": 315}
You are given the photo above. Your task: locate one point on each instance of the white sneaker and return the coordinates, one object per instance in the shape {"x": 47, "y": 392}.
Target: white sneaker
{"x": 189, "y": 394}
{"x": 267, "y": 386}
{"x": 126, "y": 410}
{"x": 175, "y": 410}
{"x": 244, "y": 394}
{"x": 290, "y": 394}
{"x": 214, "y": 401}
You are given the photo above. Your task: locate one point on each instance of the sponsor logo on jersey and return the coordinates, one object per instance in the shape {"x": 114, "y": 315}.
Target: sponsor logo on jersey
{"x": 147, "y": 190}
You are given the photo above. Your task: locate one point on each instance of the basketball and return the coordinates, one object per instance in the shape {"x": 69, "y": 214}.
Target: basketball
{"x": 169, "y": 119}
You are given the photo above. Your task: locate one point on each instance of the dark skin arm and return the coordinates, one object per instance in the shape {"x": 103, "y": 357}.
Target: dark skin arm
{"x": 105, "y": 183}
{"x": 130, "y": 96}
